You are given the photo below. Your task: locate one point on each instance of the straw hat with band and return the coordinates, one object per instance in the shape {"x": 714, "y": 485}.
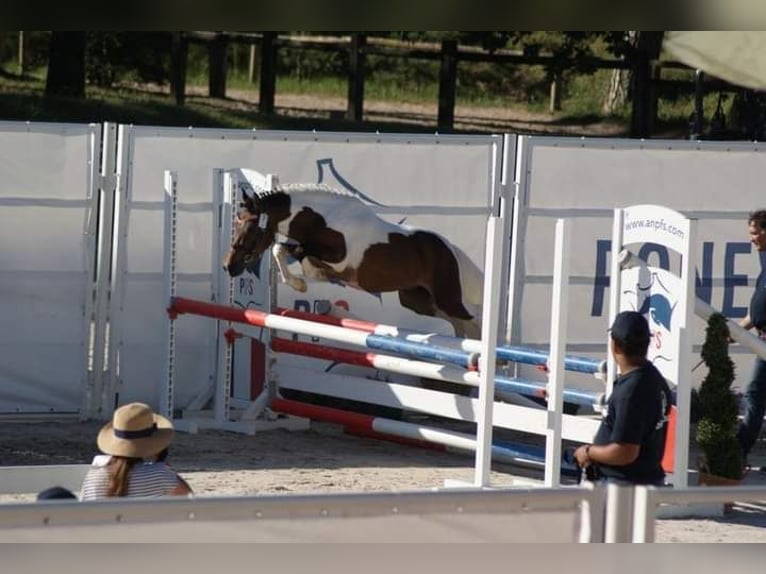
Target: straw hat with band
{"x": 135, "y": 431}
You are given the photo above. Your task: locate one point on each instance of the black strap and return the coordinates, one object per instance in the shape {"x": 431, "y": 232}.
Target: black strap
{"x": 143, "y": 433}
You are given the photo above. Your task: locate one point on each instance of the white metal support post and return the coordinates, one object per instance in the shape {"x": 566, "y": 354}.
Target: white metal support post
{"x": 119, "y": 256}
{"x": 493, "y": 257}
{"x": 644, "y": 514}
{"x": 684, "y": 366}
{"x": 225, "y": 296}
{"x": 108, "y": 185}
{"x": 169, "y": 264}
{"x": 615, "y": 288}
{"x": 519, "y": 228}
{"x": 559, "y": 315}
{"x": 619, "y": 513}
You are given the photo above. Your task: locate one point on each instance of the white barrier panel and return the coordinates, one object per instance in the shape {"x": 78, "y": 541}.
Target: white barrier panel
{"x": 48, "y": 216}
{"x": 647, "y": 500}
{"x": 517, "y": 515}
{"x": 583, "y": 180}
{"x": 446, "y": 183}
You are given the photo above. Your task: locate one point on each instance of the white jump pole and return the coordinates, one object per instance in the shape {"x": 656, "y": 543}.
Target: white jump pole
{"x": 559, "y": 315}
{"x": 493, "y": 257}
{"x": 615, "y": 289}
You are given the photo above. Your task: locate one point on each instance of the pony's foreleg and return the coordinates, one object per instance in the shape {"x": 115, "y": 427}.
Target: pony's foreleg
{"x": 312, "y": 271}
{"x": 280, "y": 254}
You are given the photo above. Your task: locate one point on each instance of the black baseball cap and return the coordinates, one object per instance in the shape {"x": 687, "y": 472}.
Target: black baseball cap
{"x": 630, "y": 327}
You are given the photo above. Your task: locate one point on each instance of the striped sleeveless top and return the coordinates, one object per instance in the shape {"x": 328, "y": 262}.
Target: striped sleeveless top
{"x": 146, "y": 479}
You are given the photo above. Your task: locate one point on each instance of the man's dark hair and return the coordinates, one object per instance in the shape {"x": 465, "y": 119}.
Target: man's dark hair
{"x": 633, "y": 350}
{"x": 630, "y": 332}
{"x": 758, "y": 216}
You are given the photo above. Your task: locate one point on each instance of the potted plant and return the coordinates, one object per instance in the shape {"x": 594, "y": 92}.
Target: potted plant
{"x": 716, "y": 430}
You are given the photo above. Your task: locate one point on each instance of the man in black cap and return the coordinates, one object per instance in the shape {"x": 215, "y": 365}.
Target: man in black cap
{"x": 629, "y": 444}
{"x": 754, "y": 398}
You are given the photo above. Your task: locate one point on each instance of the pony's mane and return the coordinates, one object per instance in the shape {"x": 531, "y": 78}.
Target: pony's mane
{"x": 290, "y": 188}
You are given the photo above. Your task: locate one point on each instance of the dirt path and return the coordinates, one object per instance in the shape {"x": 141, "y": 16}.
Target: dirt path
{"x": 323, "y": 460}
{"x": 495, "y": 119}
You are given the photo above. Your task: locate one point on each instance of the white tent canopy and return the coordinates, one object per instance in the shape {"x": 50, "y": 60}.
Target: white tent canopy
{"x": 737, "y": 57}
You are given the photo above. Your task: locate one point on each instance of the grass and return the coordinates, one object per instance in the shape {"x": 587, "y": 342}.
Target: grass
{"x": 23, "y": 99}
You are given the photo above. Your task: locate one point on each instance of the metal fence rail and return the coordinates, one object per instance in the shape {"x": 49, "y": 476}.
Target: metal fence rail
{"x": 580, "y": 504}
{"x": 646, "y": 500}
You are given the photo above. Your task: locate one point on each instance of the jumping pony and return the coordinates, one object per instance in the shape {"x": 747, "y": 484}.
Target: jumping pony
{"x": 337, "y": 237}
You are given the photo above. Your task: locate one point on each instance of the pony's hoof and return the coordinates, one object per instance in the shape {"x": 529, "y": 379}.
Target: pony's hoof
{"x": 299, "y": 285}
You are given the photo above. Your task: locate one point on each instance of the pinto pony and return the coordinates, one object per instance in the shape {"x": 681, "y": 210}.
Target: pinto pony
{"x": 337, "y": 237}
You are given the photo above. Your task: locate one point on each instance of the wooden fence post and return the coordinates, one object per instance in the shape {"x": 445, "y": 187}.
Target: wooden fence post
{"x": 268, "y": 73}
{"x": 554, "y": 104}
{"x": 179, "y": 50}
{"x": 252, "y": 65}
{"x": 355, "y": 108}
{"x": 217, "y": 52}
{"x": 22, "y": 54}
{"x": 447, "y": 80}
{"x": 647, "y": 49}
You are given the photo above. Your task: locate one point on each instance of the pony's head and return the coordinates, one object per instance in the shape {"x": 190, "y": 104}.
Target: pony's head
{"x": 253, "y": 234}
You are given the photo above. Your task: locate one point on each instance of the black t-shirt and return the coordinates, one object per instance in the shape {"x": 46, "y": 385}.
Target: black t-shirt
{"x": 637, "y": 414}
{"x": 758, "y": 303}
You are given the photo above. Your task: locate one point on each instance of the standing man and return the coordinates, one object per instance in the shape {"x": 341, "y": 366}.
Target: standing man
{"x": 755, "y": 394}
{"x": 630, "y": 442}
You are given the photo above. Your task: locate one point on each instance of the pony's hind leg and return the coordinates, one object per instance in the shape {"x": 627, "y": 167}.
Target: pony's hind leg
{"x": 419, "y": 300}
{"x": 470, "y": 329}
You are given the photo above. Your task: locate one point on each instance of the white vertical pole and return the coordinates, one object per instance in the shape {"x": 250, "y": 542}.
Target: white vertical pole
{"x": 619, "y": 512}
{"x": 490, "y": 321}
{"x": 105, "y": 233}
{"x": 615, "y": 286}
{"x": 592, "y": 513}
{"x": 683, "y": 381}
{"x": 644, "y": 512}
{"x": 101, "y": 190}
{"x": 119, "y": 278}
{"x": 169, "y": 267}
{"x": 518, "y": 229}
{"x": 559, "y": 315}
{"x": 223, "y": 192}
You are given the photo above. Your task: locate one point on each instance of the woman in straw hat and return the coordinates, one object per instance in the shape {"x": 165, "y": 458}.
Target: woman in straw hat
{"x": 133, "y": 439}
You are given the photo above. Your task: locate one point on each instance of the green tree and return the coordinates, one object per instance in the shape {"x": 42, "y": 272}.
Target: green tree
{"x": 717, "y": 428}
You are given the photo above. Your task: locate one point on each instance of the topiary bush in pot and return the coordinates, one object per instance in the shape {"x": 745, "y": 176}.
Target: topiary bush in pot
{"x": 717, "y": 427}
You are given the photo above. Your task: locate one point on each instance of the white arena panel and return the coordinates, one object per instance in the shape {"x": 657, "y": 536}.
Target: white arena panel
{"x": 584, "y": 180}
{"x": 444, "y": 183}
{"x": 48, "y": 217}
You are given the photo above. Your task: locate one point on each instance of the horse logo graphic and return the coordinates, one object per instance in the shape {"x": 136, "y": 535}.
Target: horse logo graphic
{"x": 657, "y": 303}
{"x": 659, "y": 309}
